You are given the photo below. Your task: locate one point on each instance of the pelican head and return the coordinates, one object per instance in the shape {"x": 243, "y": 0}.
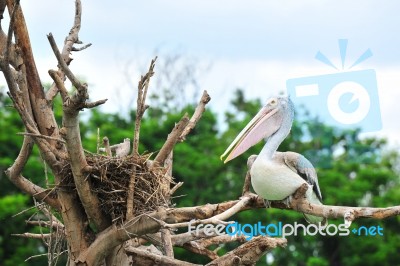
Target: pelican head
{"x": 277, "y": 114}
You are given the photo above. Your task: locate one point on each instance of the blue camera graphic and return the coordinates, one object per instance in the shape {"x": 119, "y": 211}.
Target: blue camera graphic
{"x": 345, "y": 99}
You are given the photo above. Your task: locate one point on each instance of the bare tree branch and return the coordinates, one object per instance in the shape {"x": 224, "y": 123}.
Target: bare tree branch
{"x": 175, "y": 188}
{"x": 70, "y": 40}
{"x": 10, "y": 32}
{"x": 301, "y": 204}
{"x": 34, "y": 190}
{"x": 116, "y": 235}
{"x": 71, "y": 133}
{"x": 172, "y": 139}
{"x": 54, "y": 224}
{"x": 76, "y": 49}
{"x": 205, "y": 98}
{"x": 144, "y": 258}
{"x": 42, "y": 112}
{"x": 141, "y": 107}
{"x": 250, "y": 252}
{"x": 37, "y": 236}
{"x": 166, "y": 242}
{"x": 39, "y": 136}
{"x": 65, "y": 69}
{"x": 143, "y": 87}
{"x": 216, "y": 240}
{"x": 59, "y": 84}
{"x": 95, "y": 104}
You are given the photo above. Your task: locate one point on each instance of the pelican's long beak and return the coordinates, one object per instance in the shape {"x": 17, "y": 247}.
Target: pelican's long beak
{"x": 263, "y": 125}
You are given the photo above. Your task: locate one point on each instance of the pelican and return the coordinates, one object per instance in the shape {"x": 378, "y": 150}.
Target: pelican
{"x": 276, "y": 175}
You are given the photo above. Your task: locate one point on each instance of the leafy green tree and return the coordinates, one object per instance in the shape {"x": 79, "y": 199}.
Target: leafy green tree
{"x": 14, "y": 250}
{"x": 352, "y": 171}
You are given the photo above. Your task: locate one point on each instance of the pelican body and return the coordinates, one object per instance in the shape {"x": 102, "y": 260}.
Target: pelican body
{"x": 276, "y": 175}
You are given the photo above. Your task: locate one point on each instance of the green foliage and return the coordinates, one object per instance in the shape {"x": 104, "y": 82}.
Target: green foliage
{"x": 352, "y": 171}
{"x": 15, "y": 250}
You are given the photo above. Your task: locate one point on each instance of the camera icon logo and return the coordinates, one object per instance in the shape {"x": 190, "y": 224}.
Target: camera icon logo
{"x": 346, "y": 99}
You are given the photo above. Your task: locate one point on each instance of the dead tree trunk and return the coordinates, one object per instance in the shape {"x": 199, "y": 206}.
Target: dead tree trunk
{"x": 94, "y": 234}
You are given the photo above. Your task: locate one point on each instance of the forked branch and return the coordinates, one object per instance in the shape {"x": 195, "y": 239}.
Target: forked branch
{"x": 141, "y": 107}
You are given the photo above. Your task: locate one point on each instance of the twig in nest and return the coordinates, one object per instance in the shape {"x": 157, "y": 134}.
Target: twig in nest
{"x": 175, "y": 188}
{"x": 110, "y": 183}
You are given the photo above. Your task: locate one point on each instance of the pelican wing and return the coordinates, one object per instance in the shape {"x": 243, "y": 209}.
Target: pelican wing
{"x": 303, "y": 167}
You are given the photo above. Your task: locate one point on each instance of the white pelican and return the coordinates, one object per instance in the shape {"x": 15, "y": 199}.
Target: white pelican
{"x": 276, "y": 175}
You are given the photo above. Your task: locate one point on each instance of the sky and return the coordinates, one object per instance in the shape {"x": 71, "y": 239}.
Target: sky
{"x": 253, "y": 45}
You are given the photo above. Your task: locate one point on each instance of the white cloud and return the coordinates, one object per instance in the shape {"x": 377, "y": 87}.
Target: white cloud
{"x": 255, "y": 45}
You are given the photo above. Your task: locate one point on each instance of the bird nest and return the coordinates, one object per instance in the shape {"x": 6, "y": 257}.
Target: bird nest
{"x": 110, "y": 179}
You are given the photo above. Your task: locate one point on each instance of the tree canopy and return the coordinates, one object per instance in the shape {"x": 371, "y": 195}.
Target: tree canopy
{"x": 352, "y": 171}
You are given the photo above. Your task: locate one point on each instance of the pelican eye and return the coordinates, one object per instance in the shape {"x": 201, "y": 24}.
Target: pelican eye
{"x": 273, "y": 102}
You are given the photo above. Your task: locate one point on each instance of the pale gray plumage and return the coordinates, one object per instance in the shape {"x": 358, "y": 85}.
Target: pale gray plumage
{"x": 120, "y": 150}
{"x": 301, "y": 166}
{"x": 276, "y": 175}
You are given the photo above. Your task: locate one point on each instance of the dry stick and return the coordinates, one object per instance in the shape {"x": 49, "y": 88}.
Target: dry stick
{"x": 40, "y": 136}
{"x": 63, "y": 65}
{"x": 250, "y": 252}
{"x": 221, "y": 239}
{"x": 195, "y": 248}
{"x": 98, "y": 141}
{"x": 70, "y": 40}
{"x": 53, "y": 224}
{"x": 172, "y": 139}
{"x": 75, "y": 49}
{"x": 141, "y": 257}
{"x": 59, "y": 83}
{"x": 141, "y": 104}
{"x": 34, "y": 190}
{"x": 166, "y": 242}
{"x": 143, "y": 87}
{"x": 10, "y": 31}
{"x": 175, "y": 188}
{"x": 205, "y": 98}
{"x": 221, "y": 217}
{"x": 165, "y": 187}
{"x": 32, "y": 235}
